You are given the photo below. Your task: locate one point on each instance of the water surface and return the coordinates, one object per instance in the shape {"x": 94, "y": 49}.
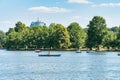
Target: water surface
{"x": 26, "y": 65}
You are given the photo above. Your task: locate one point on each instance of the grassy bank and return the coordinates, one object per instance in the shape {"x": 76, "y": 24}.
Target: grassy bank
{"x": 69, "y": 49}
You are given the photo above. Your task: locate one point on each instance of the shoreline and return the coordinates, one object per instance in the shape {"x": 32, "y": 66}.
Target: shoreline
{"x": 72, "y": 49}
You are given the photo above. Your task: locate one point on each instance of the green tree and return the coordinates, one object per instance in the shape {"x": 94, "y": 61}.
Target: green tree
{"x": 10, "y": 30}
{"x": 118, "y": 39}
{"x": 19, "y": 26}
{"x": 60, "y": 37}
{"x": 51, "y": 31}
{"x": 115, "y": 29}
{"x": 38, "y": 37}
{"x": 77, "y": 35}
{"x": 96, "y": 32}
{"x": 109, "y": 39}
{"x": 13, "y": 40}
{"x": 24, "y": 35}
{"x": 16, "y": 37}
{"x": 2, "y": 36}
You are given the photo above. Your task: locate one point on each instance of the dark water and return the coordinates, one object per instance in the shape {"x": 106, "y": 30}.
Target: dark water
{"x": 26, "y": 65}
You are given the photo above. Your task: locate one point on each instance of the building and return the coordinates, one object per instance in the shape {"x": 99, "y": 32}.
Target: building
{"x": 37, "y": 23}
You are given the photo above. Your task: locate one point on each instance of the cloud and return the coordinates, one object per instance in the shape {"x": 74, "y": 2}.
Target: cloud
{"x": 106, "y": 5}
{"x": 79, "y": 1}
{"x": 44, "y": 9}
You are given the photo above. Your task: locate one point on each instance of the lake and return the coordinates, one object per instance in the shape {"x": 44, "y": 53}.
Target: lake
{"x": 26, "y": 65}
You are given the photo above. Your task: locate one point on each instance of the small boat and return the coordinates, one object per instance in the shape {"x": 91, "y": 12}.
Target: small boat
{"x": 118, "y": 54}
{"x": 49, "y": 55}
{"x": 90, "y": 52}
{"x": 37, "y": 51}
{"x": 78, "y": 52}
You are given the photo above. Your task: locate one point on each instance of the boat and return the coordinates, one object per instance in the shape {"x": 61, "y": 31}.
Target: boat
{"x": 78, "y": 52}
{"x": 90, "y": 51}
{"x": 37, "y": 51}
{"x": 49, "y": 55}
{"x": 118, "y": 54}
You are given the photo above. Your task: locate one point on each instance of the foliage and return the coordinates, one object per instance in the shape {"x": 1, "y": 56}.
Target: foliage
{"x": 96, "y": 32}
{"x": 57, "y": 36}
{"x": 60, "y": 37}
{"x": 109, "y": 39}
{"x": 115, "y": 29}
{"x": 77, "y": 35}
{"x": 2, "y": 36}
{"x": 118, "y": 38}
{"x": 23, "y": 37}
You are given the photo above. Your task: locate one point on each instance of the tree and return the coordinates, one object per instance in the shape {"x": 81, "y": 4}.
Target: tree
{"x": 96, "y": 32}
{"x": 43, "y": 37}
{"x": 77, "y": 35}
{"x": 10, "y": 30}
{"x": 13, "y": 40}
{"x": 16, "y": 37}
{"x": 37, "y": 38}
{"x": 109, "y": 39}
{"x": 52, "y": 29}
{"x": 19, "y": 26}
{"x": 118, "y": 38}
{"x": 2, "y": 36}
{"x": 60, "y": 37}
{"x": 115, "y": 29}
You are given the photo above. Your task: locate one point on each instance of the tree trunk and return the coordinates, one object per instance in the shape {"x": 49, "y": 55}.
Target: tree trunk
{"x": 98, "y": 48}
{"x": 108, "y": 48}
{"x": 91, "y": 49}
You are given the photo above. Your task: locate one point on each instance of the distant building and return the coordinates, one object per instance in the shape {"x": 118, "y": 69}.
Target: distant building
{"x": 37, "y": 23}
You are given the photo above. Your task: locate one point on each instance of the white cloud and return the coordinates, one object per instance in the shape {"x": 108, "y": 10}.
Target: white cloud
{"x": 107, "y": 5}
{"x": 79, "y": 1}
{"x": 45, "y": 9}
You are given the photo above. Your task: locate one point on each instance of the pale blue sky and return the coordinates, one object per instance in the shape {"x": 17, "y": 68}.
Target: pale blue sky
{"x": 58, "y": 11}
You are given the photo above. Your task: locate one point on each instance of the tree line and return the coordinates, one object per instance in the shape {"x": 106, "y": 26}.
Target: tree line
{"x": 57, "y": 36}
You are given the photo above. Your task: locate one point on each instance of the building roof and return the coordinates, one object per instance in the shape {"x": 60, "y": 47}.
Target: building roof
{"x": 37, "y": 23}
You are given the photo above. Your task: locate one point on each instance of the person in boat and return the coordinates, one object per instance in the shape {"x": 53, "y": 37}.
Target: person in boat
{"x": 48, "y": 52}
{"x": 79, "y": 49}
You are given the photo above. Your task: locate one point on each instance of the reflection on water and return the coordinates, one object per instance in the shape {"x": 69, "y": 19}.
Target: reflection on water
{"x": 26, "y": 65}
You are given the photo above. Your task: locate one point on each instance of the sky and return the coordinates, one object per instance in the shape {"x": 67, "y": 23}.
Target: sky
{"x": 58, "y": 11}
